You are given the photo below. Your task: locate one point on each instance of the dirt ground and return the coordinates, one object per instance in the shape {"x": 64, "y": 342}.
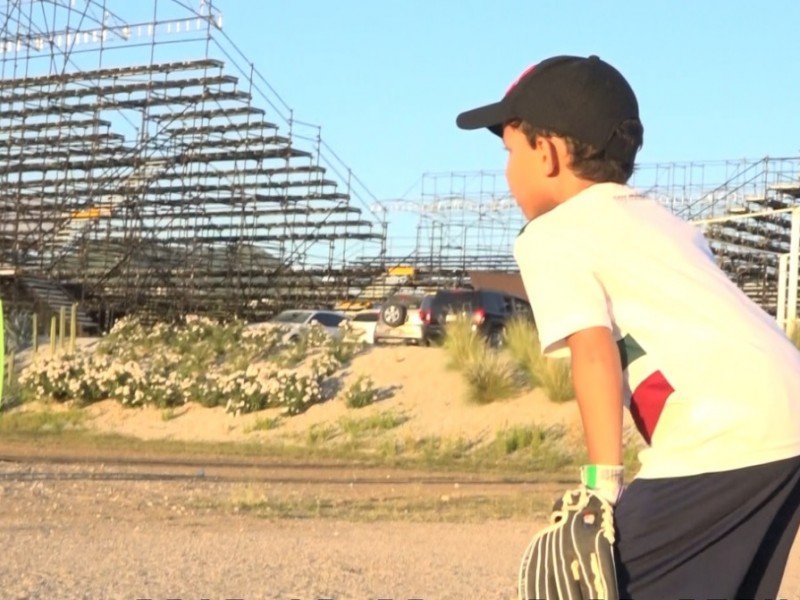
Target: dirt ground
{"x": 132, "y": 527}
{"x": 111, "y": 530}
{"x": 107, "y": 529}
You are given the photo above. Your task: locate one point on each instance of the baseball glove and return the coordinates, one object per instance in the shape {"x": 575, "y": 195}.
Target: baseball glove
{"x": 573, "y": 557}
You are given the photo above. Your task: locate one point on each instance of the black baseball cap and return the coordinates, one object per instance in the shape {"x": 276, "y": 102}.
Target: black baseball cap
{"x": 578, "y": 97}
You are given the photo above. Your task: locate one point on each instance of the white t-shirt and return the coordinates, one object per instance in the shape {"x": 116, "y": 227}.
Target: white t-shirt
{"x": 711, "y": 381}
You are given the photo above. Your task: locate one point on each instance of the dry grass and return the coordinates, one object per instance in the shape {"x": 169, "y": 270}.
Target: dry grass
{"x": 522, "y": 344}
{"x": 462, "y": 345}
{"x": 453, "y": 507}
{"x": 489, "y": 377}
{"x": 552, "y": 375}
{"x": 488, "y": 374}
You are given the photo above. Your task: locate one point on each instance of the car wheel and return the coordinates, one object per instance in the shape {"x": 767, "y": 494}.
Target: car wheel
{"x": 496, "y": 338}
{"x": 393, "y": 315}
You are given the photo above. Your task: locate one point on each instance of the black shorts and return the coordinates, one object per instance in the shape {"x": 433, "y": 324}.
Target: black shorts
{"x": 723, "y": 536}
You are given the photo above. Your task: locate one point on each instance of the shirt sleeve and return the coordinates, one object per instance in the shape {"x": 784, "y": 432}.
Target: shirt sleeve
{"x": 564, "y": 292}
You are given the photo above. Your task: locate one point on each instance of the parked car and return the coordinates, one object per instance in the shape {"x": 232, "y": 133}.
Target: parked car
{"x": 400, "y": 320}
{"x": 488, "y": 311}
{"x": 423, "y": 319}
{"x": 297, "y": 321}
{"x": 366, "y": 321}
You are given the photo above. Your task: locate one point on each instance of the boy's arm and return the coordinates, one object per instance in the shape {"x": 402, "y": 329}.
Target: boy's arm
{"x": 597, "y": 380}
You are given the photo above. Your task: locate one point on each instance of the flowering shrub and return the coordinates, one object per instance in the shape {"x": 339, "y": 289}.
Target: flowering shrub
{"x": 243, "y": 368}
{"x": 279, "y": 388}
{"x": 87, "y": 378}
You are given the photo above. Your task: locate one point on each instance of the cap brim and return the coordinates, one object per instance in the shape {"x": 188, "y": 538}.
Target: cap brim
{"x": 491, "y": 116}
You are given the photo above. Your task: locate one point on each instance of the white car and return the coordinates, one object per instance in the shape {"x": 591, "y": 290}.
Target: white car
{"x": 365, "y": 322}
{"x": 298, "y": 320}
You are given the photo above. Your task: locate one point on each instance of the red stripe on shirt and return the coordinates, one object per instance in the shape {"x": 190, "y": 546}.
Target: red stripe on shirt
{"x": 647, "y": 402}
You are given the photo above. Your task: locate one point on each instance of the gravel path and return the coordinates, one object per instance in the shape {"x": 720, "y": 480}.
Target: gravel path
{"x": 246, "y": 558}
{"x": 75, "y": 532}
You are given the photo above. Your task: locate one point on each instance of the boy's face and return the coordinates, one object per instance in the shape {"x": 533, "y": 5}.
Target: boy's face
{"x": 527, "y": 172}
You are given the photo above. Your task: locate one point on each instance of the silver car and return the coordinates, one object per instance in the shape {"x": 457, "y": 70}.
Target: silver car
{"x": 365, "y": 322}
{"x": 298, "y": 320}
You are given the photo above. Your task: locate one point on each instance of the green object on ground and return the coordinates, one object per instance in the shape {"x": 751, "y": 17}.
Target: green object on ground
{"x": 2, "y": 353}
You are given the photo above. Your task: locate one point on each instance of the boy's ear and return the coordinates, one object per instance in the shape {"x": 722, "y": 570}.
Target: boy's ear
{"x": 551, "y": 158}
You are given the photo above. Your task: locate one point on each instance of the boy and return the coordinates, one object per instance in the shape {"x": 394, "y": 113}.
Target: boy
{"x": 635, "y": 298}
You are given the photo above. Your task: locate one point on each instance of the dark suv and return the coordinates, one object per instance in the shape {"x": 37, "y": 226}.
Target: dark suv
{"x": 489, "y": 310}
{"x": 420, "y": 319}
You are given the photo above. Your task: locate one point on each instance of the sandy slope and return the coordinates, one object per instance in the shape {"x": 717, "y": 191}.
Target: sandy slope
{"x": 415, "y": 381}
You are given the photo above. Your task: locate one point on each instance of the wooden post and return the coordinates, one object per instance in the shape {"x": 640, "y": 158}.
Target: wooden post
{"x": 62, "y": 326}
{"x": 35, "y": 340}
{"x": 53, "y": 330}
{"x": 73, "y": 327}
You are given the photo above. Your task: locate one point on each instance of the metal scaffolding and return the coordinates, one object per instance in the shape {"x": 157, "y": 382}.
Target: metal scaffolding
{"x": 460, "y": 221}
{"x": 745, "y": 209}
{"x": 147, "y": 166}
{"x": 468, "y": 221}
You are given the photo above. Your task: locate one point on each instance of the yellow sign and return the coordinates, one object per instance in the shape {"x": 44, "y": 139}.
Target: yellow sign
{"x": 94, "y": 212}
{"x": 402, "y": 270}
{"x": 349, "y": 305}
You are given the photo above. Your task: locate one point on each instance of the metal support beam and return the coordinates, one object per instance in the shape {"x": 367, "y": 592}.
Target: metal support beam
{"x": 783, "y": 276}
{"x": 794, "y": 271}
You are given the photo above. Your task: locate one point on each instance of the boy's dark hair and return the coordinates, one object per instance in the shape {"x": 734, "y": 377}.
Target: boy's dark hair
{"x": 589, "y": 163}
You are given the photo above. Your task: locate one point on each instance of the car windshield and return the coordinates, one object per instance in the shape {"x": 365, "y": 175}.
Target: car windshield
{"x": 291, "y": 316}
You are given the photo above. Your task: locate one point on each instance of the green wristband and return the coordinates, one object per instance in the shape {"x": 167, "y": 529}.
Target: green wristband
{"x": 604, "y": 480}
{"x": 589, "y": 476}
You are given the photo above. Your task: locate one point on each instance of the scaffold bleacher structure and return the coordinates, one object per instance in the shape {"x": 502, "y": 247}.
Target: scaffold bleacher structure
{"x": 745, "y": 209}
{"x": 146, "y": 166}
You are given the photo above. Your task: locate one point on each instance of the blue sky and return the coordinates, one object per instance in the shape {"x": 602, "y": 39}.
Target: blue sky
{"x": 385, "y": 79}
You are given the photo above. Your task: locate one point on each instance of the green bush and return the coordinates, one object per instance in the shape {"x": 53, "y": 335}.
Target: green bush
{"x": 361, "y": 393}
